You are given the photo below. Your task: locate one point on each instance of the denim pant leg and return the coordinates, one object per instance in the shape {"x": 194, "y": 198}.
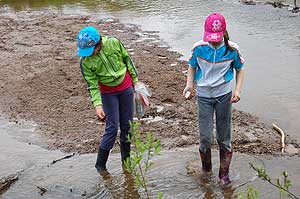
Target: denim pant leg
{"x": 205, "y": 122}
{"x": 223, "y": 121}
{"x": 126, "y": 113}
{"x": 110, "y": 103}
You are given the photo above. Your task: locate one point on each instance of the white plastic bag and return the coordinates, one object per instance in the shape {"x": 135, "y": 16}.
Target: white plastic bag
{"x": 141, "y": 98}
{"x": 144, "y": 92}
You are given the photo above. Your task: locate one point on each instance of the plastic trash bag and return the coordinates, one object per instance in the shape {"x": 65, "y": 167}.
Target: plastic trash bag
{"x": 141, "y": 98}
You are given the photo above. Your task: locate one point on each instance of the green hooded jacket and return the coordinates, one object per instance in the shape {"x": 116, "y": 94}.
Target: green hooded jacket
{"x": 108, "y": 67}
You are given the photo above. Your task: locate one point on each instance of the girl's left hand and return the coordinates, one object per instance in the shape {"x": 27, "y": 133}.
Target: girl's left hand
{"x": 136, "y": 83}
{"x": 186, "y": 93}
{"x": 235, "y": 97}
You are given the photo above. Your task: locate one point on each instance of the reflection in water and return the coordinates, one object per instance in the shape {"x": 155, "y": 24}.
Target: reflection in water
{"x": 211, "y": 189}
{"x": 129, "y": 188}
{"x": 228, "y": 191}
{"x": 103, "y": 4}
{"x": 35, "y": 4}
{"x": 21, "y": 5}
{"x": 115, "y": 187}
{"x": 207, "y": 186}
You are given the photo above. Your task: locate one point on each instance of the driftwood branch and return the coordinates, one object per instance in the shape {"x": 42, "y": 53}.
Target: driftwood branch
{"x": 280, "y": 131}
{"x": 63, "y": 158}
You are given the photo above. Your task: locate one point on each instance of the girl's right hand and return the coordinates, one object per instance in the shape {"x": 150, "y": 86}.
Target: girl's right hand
{"x": 187, "y": 91}
{"x": 100, "y": 113}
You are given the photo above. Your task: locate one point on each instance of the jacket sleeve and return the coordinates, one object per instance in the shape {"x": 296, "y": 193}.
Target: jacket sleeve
{"x": 129, "y": 64}
{"x": 92, "y": 82}
{"x": 193, "y": 60}
{"x": 238, "y": 62}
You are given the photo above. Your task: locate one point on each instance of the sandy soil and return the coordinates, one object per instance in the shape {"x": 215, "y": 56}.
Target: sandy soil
{"x": 41, "y": 81}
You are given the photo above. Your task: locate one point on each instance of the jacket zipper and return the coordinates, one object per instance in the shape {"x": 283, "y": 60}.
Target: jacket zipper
{"x": 215, "y": 55}
{"x": 213, "y": 69}
{"x": 106, "y": 64}
{"x": 113, "y": 65}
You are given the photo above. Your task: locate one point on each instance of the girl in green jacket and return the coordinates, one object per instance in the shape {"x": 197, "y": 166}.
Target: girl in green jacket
{"x": 110, "y": 75}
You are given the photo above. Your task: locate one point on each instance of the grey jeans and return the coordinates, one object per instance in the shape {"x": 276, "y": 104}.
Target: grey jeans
{"x": 221, "y": 106}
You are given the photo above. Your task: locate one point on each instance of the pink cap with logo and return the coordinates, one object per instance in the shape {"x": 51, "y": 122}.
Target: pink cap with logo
{"x": 214, "y": 27}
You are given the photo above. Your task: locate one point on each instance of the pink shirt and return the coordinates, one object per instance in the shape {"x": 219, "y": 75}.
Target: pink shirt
{"x": 126, "y": 83}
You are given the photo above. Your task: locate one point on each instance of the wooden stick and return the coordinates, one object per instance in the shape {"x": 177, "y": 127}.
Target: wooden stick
{"x": 280, "y": 131}
{"x": 63, "y": 158}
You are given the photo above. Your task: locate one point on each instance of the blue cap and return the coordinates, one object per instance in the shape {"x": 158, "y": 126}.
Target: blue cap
{"x": 87, "y": 39}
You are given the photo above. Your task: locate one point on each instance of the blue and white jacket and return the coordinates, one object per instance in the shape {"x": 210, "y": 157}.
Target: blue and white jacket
{"x": 214, "y": 68}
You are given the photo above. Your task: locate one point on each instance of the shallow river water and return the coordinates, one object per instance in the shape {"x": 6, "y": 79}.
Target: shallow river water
{"x": 76, "y": 177}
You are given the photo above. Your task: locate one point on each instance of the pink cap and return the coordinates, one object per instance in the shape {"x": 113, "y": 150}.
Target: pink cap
{"x": 214, "y": 27}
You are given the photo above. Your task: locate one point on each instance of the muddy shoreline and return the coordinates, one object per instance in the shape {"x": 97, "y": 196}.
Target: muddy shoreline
{"x": 41, "y": 81}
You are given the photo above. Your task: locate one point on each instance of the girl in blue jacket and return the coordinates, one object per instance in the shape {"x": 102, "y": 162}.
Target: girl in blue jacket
{"x": 211, "y": 66}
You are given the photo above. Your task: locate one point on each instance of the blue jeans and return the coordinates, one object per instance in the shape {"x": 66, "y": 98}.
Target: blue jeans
{"x": 118, "y": 108}
{"x": 207, "y": 107}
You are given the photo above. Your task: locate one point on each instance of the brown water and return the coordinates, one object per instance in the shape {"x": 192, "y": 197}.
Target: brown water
{"x": 76, "y": 177}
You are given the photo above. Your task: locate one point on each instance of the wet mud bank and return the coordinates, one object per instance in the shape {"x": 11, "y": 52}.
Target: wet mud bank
{"x": 41, "y": 81}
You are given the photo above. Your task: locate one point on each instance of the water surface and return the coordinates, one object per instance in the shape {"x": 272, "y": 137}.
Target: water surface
{"x": 76, "y": 176}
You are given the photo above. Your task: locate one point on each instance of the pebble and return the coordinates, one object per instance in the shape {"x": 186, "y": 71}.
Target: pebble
{"x": 159, "y": 109}
{"x": 156, "y": 119}
{"x": 250, "y": 137}
{"x": 259, "y": 130}
{"x": 290, "y": 149}
{"x": 184, "y": 137}
{"x": 109, "y": 20}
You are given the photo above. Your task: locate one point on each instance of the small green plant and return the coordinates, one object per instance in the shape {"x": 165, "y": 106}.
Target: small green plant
{"x": 139, "y": 163}
{"x": 282, "y": 185}
{"x": 251, "y": 193}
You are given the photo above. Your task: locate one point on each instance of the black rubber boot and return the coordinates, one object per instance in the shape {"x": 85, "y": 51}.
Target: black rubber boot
{"x": 101, "y": 160}
{"x": 125, "y": 154}
{"x": 206, "y": 161}
{"x": 125, "y": 151}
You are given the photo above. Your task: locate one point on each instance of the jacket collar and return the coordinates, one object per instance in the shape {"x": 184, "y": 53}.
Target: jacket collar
{"x": 104, "y": 39}
{"x": 220, "y": 46}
